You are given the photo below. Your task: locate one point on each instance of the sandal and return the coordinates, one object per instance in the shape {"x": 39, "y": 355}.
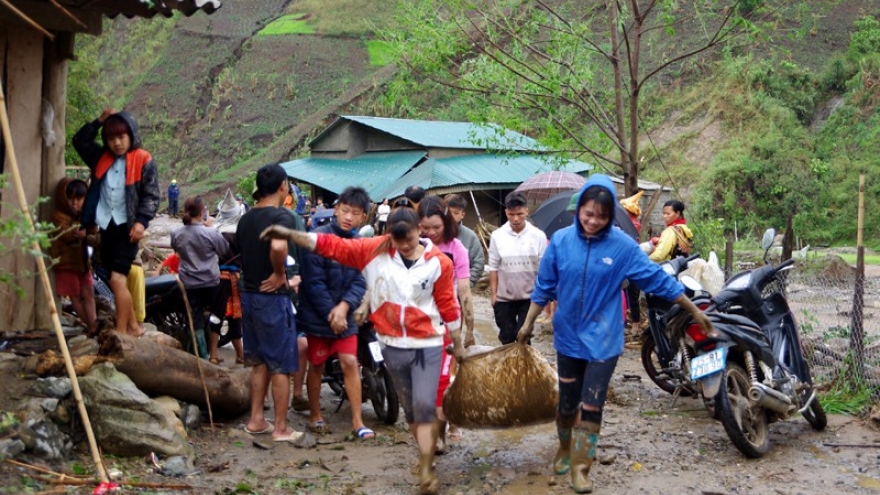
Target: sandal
{"x": 319, "y": 428}
{"x": 365, "y": 433}
{"x": 215, "y": 360}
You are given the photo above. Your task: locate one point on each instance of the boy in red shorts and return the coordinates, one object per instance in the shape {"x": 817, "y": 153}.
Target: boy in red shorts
{"x": 73, "y": 278}
{"x": 329, "y": 297}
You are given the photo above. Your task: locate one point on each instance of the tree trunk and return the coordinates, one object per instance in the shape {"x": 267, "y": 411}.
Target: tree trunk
{"x": 788, "y": 239}
{"x": 162, "y": 370}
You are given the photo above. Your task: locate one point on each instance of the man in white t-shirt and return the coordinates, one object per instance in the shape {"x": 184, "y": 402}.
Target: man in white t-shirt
{"x": 515, "y": 251}
{"x": 382, "y": 216}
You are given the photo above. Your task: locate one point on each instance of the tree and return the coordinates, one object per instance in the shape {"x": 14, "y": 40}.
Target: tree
{"x": 557, "y": 66}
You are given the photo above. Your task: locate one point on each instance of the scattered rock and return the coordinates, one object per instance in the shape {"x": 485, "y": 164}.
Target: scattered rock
{"x": 178, "y": 465}
{"x": 11, "y": 447}
{"x": 52, "y": 386}
{"x": 127, "y": 422}
{"x": 191, "y": 416}
{"x": 49, "y": 442}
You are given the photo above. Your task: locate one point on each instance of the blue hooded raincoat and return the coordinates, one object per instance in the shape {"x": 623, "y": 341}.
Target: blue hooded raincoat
{"x": 585, "y": 276}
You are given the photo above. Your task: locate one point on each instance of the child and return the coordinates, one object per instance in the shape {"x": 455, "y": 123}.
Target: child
{"x": 73, "y": 278}
{"x": 122, "y": 198}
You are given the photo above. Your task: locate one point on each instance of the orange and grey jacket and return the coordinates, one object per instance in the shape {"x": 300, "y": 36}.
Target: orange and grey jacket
{"x": 141, "y": 180}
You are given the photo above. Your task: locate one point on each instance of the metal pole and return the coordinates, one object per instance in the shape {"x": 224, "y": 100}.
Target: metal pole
{"x": 857, "y": 336}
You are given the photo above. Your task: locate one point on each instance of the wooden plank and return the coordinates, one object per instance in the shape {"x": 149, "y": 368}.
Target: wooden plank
{"x": 24, "y": 81}
{"x": 55, "y": 65}
{"x": 52, "y": 19}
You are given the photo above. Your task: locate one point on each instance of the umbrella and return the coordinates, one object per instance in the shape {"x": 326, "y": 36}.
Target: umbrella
{"x": 322, "y": 217}
{"x": 544, "y": 185}
{"x": 553, "y": 215}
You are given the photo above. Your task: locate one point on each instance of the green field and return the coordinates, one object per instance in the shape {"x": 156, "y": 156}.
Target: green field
{"x": 379, "y": 52}
{"x": 287, "y": 24}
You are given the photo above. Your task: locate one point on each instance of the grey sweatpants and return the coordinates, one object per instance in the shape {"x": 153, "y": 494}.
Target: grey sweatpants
{"x": 416, "y": 374}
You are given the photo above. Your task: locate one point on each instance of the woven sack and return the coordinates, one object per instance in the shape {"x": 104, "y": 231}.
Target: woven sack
{"x": 511, "y": 385}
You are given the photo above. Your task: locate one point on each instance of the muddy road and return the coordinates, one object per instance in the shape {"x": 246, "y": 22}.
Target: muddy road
{"x": 649, "y": 444}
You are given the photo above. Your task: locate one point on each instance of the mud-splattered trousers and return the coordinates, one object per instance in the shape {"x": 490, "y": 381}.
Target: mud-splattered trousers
{"x": 582, "y": 382}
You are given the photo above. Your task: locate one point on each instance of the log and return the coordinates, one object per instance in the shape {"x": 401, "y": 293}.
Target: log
{"x": 162, "y": 370}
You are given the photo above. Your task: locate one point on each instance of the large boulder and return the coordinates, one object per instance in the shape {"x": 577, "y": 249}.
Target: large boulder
{"x": 126, "y": 421}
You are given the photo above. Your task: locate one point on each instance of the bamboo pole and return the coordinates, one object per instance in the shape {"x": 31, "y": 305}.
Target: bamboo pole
{"x": 47, "y": 287}
{"x": 192, "y": 332}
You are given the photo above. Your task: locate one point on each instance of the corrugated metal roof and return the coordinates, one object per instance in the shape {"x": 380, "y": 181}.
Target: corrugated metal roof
{"x": 474, "y": 172}
{"x": 372, "y": 171}
{"x": 149, "y": 8}
{"x": 440, "y": 134}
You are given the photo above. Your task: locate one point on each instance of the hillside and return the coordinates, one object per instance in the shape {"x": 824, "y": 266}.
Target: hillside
{"x": 219, "y": 95}
{"x": 216, "y": 97}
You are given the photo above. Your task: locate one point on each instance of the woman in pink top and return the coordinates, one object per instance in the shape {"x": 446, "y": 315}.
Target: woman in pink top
{"x": 441, "y": 228}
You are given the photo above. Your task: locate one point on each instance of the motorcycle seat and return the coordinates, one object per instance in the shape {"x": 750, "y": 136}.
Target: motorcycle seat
{"x": 159, "y": 283}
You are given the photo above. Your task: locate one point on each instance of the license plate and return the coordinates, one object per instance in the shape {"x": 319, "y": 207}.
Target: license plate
{"x": 376, "y": 351}
{"x": 709, "y": 363}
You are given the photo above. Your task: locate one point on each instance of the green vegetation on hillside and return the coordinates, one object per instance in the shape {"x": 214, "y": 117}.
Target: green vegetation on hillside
{"x": 288, "y": 24}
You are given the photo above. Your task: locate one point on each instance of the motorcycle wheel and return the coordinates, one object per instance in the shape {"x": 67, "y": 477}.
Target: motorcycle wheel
{"x": 815, "y": 415}
{"x": 746, "y": 423}
{"x": 651, "y": 363}
{"x": 384, "y": 398}
{"x": 172, "y": 322}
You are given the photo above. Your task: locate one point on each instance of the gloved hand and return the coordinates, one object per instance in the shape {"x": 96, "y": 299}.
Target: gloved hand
{"x": 525, "y": 333}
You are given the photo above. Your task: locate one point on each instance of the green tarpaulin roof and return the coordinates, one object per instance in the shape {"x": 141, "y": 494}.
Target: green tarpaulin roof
{"x": 439, "y": 134}
{"x": 372, "y": 171}
{"x": 475, "y": 172}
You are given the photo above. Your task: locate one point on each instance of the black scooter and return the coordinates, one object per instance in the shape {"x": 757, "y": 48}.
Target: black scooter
{"x": 666, "y": 359}
{"x": 754, "y": 365}
{"x": 376, "y": 385}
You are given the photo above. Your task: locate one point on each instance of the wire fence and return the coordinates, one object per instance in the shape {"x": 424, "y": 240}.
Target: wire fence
{"x": 840, "y": 333}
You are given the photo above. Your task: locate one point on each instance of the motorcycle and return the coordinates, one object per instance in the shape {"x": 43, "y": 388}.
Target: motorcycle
{"x": 164, "y": 305}
{"x": 376, "y": 385}
{"x": 664, "y": 359}
{"x": 753, "y": 365}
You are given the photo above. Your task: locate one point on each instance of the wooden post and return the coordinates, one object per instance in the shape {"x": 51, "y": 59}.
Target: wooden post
{"x": 728, "y": 259}
{"x": 47, "y": 287}
{"x": 857, "y": 335}
{"x": 646, "y": 213}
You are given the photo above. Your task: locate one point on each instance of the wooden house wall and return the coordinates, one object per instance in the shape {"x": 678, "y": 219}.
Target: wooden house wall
{"x": 31, "y": 68}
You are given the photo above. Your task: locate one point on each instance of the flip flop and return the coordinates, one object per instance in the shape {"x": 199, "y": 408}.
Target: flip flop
{"x": 365, "y": 433}
{"x": 267, "y": 429}
{"x": 319, "y": 427}
{"x": 294, "y": 437}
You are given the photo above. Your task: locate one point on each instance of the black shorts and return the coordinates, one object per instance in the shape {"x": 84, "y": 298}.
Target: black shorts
{"x": 117, "y": 251}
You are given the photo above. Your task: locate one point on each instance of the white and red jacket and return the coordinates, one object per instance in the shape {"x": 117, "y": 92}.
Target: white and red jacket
{"x": 411, "y": 307}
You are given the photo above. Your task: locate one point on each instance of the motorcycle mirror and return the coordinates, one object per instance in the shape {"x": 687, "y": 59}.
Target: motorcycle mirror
{"x": 690, "y": 283}
{"x": 767, "y": 240}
